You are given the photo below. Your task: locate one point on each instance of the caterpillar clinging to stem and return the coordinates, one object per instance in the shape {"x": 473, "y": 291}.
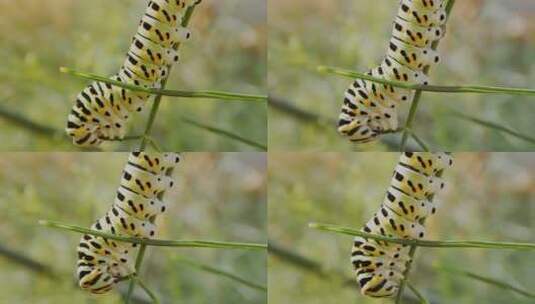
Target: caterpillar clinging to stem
{"x": 369, "y": 108}
{"x": 101, "y": 110}
{"x": 139, "y": 199}
{"x": 380, "y": 266}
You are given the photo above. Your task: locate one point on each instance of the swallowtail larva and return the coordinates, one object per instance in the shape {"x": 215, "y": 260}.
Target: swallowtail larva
{"x": 379, "y": 265}
{"x": 369, "y": 108}
{"x": 139, "y": 199}
{"x": 101, "y": 110}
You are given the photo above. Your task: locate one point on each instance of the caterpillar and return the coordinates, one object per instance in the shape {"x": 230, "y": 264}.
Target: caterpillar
{"x": 103, "y": 262}
{"x": 379, "y": 266}
{"x": 370, "y": 109}
{"x": 101, "y": 110}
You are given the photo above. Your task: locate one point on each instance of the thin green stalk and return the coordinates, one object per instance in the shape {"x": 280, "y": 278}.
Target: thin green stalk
{"x": 425, "y": 243}
{"x": 420, "y": 297}
{"x": 152, "y": 118}
{"x": 223, "y": 273}
{"x": 225, "y": 133}
{"x": 488, "y": 280}
{"x": 146, "y": 289}
{"x": 412, "y": 251}
{"x": 146, "y": 135}
{"x": 139, "y": 261}
{"x": 209, "y": 94}
{"x": 154, "y": 242}
{"x": 404, "y": 282}
{"x": 478, "y": 89}
{"x": 154, "y": 144}
{"x": 410, "y": 119}
{"x": 419, "y": 141}
{"x": 494, "y": 126}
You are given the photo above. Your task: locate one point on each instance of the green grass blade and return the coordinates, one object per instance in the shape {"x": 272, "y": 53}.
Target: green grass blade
{"x": 477, "y": 89}
{"x": 488, "y": 280}
{"x": 425, "y": 243}
{"x": 154, "y": 242}
{"x": 224, "y": 133}
{"x": 419, "y": 141}
{"x": 171, "y": 93}
{"x": 223, "y": 273}
{"x": 410, "y": 119}
{"x": 147, "y": 290}
{"x": 420, "y": 297}
{"x": 493, "y": 126}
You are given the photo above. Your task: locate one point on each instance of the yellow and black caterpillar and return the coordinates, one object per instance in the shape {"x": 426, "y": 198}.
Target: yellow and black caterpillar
{"x": 139, "y": 199}
{"x": 102, "y": 110}
{"x": 369, "y": 108}
{"x": 379, "y": 265}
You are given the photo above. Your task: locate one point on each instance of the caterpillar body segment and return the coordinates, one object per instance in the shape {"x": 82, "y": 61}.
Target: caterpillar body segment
{"x": 379, "y": 265}
{"x": 140, "y": 198}
{"x": 101, "y": 111}
{"x": 418, "y": 24}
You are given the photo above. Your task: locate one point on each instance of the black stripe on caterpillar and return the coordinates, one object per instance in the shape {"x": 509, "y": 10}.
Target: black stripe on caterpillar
{"x": 101, "y": 111}
{"x": 369, "y": 109}
{"x": 379, "y": 265}
{"x": 102, "y": 262}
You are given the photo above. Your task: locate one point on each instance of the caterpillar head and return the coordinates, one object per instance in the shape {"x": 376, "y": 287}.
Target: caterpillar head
{"x": 83, "y": 135}
{"x": 376, "y": 285}
{"x": 101, "y": 278}
{"x": 356, "y": 131}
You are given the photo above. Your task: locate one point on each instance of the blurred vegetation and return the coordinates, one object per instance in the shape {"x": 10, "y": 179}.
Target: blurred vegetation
{"x": 217, "y": 197}
{"x": 227, "y": 52}
{"x": 487, "y": 197}
{"x": 487, "y": 42}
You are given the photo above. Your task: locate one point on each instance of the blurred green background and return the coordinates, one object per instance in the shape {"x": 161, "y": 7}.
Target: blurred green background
{"x": 227, "y": 52}
{"x": 488, "y": 42}
{"x": 487, "y": 197}
{"x": 217, "y": 197}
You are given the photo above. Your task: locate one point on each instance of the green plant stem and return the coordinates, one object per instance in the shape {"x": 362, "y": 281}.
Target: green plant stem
{"x": 412, "y": 252}
{"x": 152, "y": 118}
{"x": 410, "y": 119}
{"x": 225, "y": 133}
{"x": 425, "y": 243}
{"x": 146, "y": 136}
{"x": 154, "y": 144}
{"x": 419, "y": 141}
{"x": 139, "y": 261}
{"x": 417, "y": 293}
{"x": 220, "y": 272}
{"x": 428, "y": 88}
{"x": 154, "y": 242}
{"x": 403, "y": 282}
{"x": 209, "y": 94}
{"x": 493, "y": 125}
{"x": 146, "y": 289}
{"x": 418, "y": 93}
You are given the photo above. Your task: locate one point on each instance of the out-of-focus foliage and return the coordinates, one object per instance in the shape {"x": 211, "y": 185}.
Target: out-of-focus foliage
{"x": 487, "y": 197}
{"x": 487, "y": 42}
{"x": 217, "y": 197}
{"x": 227, "y": 53}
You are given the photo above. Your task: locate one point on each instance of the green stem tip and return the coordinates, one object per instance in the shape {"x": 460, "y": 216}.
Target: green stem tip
{"x": 158, "y": 243}
{"x": 209, "y": 94}
{"x": 425, "y": 243}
